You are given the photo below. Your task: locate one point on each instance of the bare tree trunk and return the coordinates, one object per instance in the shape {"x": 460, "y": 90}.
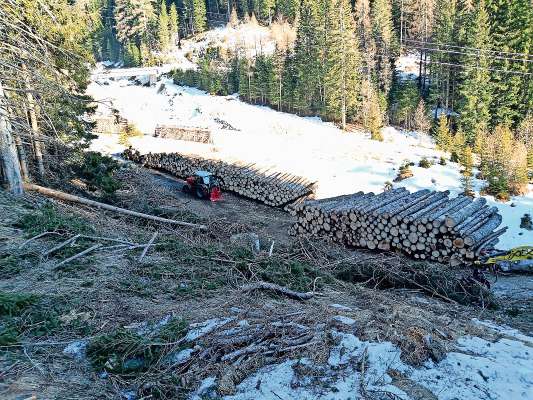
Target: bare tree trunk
{"x": 37, "y": 143}
{"x": 22, "y": 157}
{"x": 8, "y": 151}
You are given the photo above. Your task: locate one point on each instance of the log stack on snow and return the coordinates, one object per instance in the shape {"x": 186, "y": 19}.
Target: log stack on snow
{"x": 192, "y": 134}
{"x": 425, "y": 224}
{"x": 266, "y": 185}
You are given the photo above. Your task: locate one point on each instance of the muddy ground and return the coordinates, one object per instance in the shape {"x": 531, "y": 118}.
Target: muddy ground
{"x": 195, "y": 275}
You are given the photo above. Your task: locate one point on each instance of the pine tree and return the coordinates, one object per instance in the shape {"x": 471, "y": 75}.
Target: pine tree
{"x": 475, "y": 90}
{"x": 458, "y": 146}
{"x": 162, "y": 28}
{"x": 511, "y": 31}
{"x": 443, "y": 137}
{"x": 343, "y": 77}
{"x": 173, "y": 24}
{"x": 420, "y": 21}
{"x": 386, "y": 45}
{"x": 233, "y": 19}
{"x": 420, "y": 118}
{"x": 288, "y": 9}
{"x": 467, "y": 162}
{"x": 307, "y": 59}
{"x": 195, "y": 15}
{"x": 443, "y": 78}
{"x": 133, "y": 19}
{"x": 375, "y": 119}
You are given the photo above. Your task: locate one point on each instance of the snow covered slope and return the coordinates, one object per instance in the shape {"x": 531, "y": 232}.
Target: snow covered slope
{"x": 340, "y": 162}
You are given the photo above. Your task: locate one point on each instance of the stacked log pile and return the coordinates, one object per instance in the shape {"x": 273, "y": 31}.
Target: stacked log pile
{"x": 268, "y": 186}
{"x": 192, "y": 134}
{"x": 425, "y": 224}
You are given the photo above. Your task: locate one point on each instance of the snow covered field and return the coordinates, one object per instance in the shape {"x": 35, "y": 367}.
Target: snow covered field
{"x": 340, "y": 162}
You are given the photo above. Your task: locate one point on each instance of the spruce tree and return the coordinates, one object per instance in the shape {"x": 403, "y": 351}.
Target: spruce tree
{"x": 442, "y": 134}
{"x": 467, "y": 162}
{"x": 420, "y": 118}
{"x": 163, "y": 33}
{"x": 386, "y": 43}
{"x": 233, "y": 19}
{"x": 475, "y": 90}
{"x": 307, "y": 59}
{"x": 511, "y": 31}
{"x": 133, "y": 19}
{"x": 173, "y": 24}
{"x": 342, "y": 79}
{"x": 288, "y": 9}
{"x": 375, "y": 119}
{"x": 443, "y": 78}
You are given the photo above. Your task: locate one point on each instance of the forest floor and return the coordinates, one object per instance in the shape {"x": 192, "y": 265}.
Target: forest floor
{"x": 178, "y": 324}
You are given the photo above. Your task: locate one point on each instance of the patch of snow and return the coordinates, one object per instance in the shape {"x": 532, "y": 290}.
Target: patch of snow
{"x": 504, "y": 330}
{"x": 76, "y": 349}
{"x": 206, "y": 327}
{"x": 481, "y": 370}
{"x": 343, "y": 320}
{"x": 340, "y": 307}
{"x": 179, "y": 357}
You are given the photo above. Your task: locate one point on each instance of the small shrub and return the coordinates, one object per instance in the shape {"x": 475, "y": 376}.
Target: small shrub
{"x": 388, "y": 186}
{"x": 425, "y": 163}
{"x": 127, "y": 132}
{"x": 12, "y": 304}
{"x": 97, "y": 172}
{"x": 442, "y": 161}
{"x": 48, "y": 219}
{"x": 404, "y": 171}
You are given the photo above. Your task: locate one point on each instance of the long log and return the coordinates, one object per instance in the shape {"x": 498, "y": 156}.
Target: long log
{"x": 76, "y": 199}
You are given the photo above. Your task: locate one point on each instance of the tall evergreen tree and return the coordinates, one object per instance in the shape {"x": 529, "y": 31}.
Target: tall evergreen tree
{"x": 343, "y": 63}
{"x": 511, "y": 31}
{"x": 133, "y": 19}
{"x": 386, "y": 45}
{"x": 307, "y": 58}
{"x": 163, "y": 33}
{"x": 173, "y": 23}
{"x": 443, "y": 75}
{"x": 475, "y": 90}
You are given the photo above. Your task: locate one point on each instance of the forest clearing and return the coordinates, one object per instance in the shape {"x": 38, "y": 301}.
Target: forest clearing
{"x": 285, "y": 199}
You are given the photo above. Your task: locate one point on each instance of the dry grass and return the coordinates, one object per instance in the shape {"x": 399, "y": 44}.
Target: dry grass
{"x": 197, "y": 276}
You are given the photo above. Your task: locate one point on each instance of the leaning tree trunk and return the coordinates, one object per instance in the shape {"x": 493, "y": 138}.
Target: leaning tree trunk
{"x": 8, "y": 150}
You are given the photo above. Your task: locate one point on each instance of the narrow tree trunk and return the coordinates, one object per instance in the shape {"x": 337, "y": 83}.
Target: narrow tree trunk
{"x": 8, "y": 151}
{"x": 37, "y": 143}
{"x": 22, "y": 157}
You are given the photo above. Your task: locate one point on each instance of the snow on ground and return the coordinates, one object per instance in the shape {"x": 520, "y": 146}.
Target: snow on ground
{"x": 476, "y": 370}
{"x": 340, "y": 162}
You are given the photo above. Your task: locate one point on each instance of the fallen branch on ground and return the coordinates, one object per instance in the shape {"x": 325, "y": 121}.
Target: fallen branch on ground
{"x": 148, "y": 246}
{"x": 76, "y": 256}
{"x": 76, "y": 199}
{"x": 278, "y": 289}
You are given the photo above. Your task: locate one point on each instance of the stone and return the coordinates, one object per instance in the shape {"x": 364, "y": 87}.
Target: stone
{"x": 248, "y": 240}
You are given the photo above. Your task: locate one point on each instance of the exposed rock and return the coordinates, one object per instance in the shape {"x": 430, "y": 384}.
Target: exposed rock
{"x": 249, "y": 240}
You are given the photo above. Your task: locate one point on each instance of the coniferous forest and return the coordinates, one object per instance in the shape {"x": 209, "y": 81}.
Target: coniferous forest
{"x": 473, "y": 87}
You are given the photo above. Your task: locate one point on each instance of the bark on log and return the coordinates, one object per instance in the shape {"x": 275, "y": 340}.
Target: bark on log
{"x": 76, "y": 199}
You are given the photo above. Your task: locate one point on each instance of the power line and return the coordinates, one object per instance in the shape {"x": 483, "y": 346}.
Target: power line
{"x": 468, "y": 54}
{"x": 476, "y": 67}
{"x": 468, "y": 48}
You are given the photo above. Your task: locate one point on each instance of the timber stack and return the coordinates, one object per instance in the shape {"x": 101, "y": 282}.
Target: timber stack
{"x": 426, "y": 225}
{"x": 266, "y": 185}
{"x": 192, "y": 134}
